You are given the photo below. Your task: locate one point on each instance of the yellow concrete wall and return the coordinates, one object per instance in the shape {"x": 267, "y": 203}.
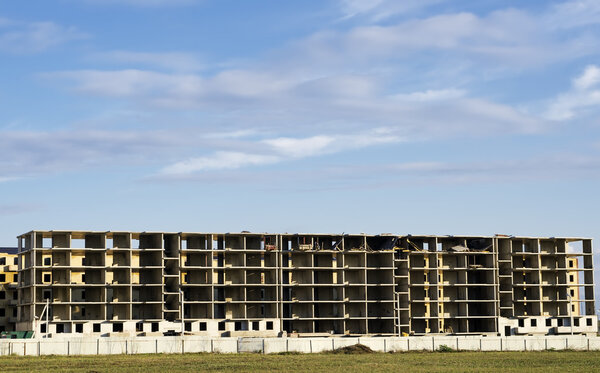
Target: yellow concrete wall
{"x": 44, "y": 273}
{"x": 573, "y": 290}
{"x": 109, "y": 259}
{"x": 77, "y": 277}
{"x": 77, "y": 259}
{"x": 9, "y": 287}
{"x": 135, "y": 260}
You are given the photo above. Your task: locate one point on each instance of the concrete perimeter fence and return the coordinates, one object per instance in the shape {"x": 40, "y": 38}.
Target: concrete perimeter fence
{"x": 191, "y": 344}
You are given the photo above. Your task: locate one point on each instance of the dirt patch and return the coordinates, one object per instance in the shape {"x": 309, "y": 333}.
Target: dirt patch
{"x": 354, "y": 349}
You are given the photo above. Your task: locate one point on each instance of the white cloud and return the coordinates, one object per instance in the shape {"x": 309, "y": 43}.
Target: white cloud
{"x": 34, "y": 37}
{"x": 298, "y": 148}
{"x": 326, "y": 144}
{"x": 583, "y": 95}
{"x": 589, "y": 78}
{"x": 218, "y": 161}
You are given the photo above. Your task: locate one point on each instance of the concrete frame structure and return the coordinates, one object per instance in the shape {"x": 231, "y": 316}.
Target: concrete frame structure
{"x": 8, "y": 289}
{"x": 251, "y": 284}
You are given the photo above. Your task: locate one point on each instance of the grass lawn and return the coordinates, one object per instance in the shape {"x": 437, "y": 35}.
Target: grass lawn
{"x": 543, "y": 361}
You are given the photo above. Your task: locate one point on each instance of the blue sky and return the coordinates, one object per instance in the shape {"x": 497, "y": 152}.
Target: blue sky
{"x": 422, "y": 117}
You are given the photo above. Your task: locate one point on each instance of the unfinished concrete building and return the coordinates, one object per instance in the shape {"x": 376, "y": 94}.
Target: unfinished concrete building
{"x": 249, "y": 284}
{"x": 8, "y": 288}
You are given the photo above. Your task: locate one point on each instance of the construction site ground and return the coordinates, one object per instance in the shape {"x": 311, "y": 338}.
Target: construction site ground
{"x": 361, "y": 361}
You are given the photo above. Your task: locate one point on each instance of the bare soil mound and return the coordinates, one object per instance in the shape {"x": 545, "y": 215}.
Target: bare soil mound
{"x": 354, "y": 349}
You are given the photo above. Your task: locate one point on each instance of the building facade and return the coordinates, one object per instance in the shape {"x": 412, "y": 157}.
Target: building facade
{"x": 8, "y": 288}
{"x": 249, "y": 284}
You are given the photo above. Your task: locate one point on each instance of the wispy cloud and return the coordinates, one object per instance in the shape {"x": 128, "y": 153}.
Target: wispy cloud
{"x": 275, "y": 150}
{"x": 34, "y": 37}
{"x": 326, "y": 144}
{"x": 363, "y": 175}
{"x": 275, "y": 102}
{"x": 52, "y": 152}
{"x": 355, "y": 79}
{"x": 218, "y": 161}
{"x": 14, "y": 209}
{"x": 171, "y": 61}
{"x": 508, "y": 37}
{"x": 332, "y": 91}
{"x": 583, "y": 95}
{"x": 431, "y": 95}
{"x": 575, "y": 13}
{"x": 377, "y": 10}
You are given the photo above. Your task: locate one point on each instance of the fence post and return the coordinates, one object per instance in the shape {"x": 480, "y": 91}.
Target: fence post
{"x": 68, "y": 348}
{"x": 385, "y": 344}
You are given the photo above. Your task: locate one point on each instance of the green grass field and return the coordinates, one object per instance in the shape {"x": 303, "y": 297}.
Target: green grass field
{"x": 547, "y": 361}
